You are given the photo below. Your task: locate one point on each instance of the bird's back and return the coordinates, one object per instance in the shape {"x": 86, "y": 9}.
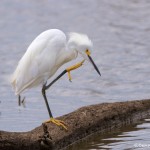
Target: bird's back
{"x": 37, "y": 64}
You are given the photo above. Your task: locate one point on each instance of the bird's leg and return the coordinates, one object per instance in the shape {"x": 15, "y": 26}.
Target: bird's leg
{"x": 73, "y": 68}
{"x": 45, "y": 87}
{"x": 55, "y": 121}
{"x": 46, "y": 102}
{"x": 21, "y": 101}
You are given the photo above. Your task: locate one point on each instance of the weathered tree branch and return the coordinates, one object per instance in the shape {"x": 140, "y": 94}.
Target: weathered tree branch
{"x": 81, "y": 123}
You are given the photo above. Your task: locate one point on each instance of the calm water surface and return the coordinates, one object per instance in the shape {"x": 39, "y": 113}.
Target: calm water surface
{"x": 127, "y": 138}
{"x": 120, "y": 30}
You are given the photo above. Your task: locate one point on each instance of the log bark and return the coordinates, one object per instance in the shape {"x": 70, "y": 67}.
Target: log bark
{"x": 83, "y": 122}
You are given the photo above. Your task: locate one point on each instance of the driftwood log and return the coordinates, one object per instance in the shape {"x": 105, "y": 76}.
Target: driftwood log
{"x": 81, "y": 123}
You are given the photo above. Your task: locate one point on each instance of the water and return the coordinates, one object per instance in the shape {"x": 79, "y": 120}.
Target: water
{"x": 127, "y": 138}
{"x": 120, "y": 31}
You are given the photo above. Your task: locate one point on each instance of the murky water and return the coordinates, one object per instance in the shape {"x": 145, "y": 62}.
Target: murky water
{"x": 120, "y": 30}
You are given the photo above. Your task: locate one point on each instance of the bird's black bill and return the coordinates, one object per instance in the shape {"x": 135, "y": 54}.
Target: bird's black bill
{"x": 94, "y": 65}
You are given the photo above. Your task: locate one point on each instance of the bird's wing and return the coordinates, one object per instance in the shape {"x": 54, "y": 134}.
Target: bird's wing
{"x": 37, "y": 64}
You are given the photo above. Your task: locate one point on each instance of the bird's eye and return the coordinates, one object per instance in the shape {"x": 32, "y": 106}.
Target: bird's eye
{"x": 87, "y": 52}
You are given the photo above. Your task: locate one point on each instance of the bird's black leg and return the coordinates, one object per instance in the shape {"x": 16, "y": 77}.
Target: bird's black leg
{"x": 21, "y": 101}
{"x": 44, "y": 88}
{"x": 46, "y": 102}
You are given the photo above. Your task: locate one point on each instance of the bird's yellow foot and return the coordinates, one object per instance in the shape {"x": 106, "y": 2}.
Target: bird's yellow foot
{"x": 73, "y": 68}
{"x": 57, "y": 122}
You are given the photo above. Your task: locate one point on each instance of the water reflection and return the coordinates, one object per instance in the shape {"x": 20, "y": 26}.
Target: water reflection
{"x": 131, "y": 137}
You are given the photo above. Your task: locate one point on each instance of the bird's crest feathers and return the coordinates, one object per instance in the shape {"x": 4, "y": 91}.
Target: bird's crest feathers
{"x": 80, "y": 40}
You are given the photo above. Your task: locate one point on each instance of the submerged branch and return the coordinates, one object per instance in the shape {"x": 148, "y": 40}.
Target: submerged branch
{"x": 81, "y": 123}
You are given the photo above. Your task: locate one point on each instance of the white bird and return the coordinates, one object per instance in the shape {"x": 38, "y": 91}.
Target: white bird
{"x": 45, "y": 55}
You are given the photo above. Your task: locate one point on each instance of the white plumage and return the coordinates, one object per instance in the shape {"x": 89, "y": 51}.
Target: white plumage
{"x": 46, "y": 54}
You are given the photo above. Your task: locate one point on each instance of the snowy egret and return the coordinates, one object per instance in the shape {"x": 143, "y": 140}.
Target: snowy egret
{"x": 45, "y": 55}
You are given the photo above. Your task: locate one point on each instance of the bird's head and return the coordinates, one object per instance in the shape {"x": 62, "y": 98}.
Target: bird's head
{"x": 83, "y": 45}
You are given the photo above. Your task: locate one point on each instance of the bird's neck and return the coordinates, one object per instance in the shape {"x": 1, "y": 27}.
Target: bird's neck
{"x": 70, "y": 54}
{"x": 66, "y": 56}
